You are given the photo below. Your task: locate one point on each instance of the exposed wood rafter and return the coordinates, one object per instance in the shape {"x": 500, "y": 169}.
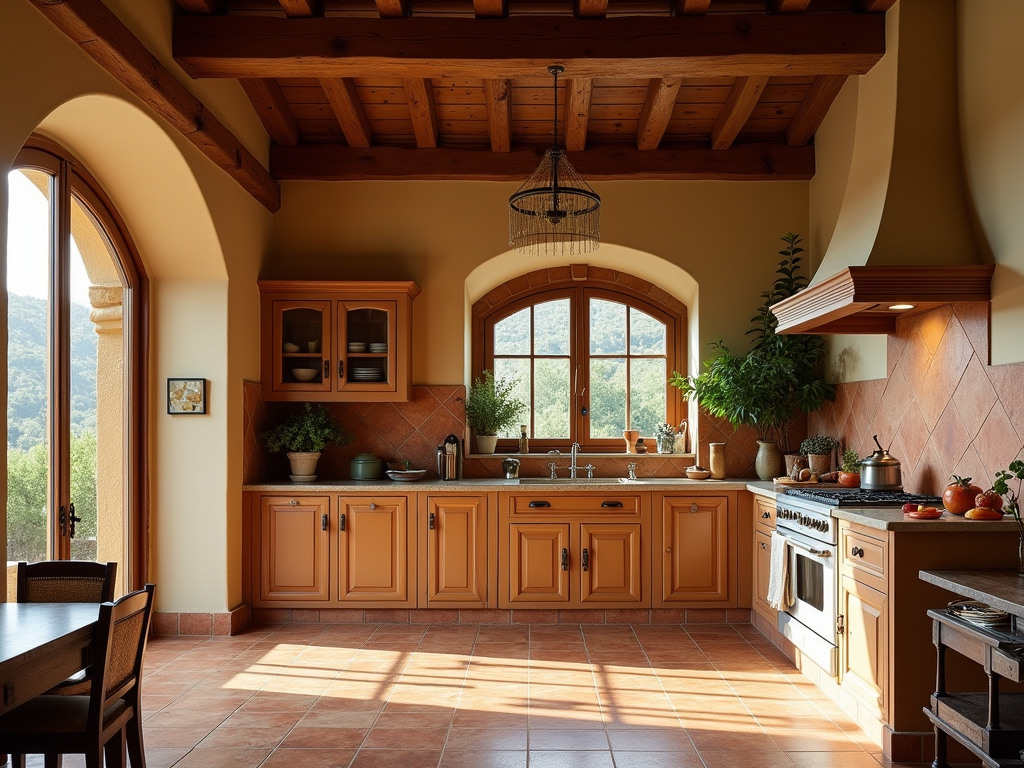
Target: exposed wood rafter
{"x": 300, "y": 8}
{"x": 657, "y": 111}
{"x": 201, "y": 6}
{"x": 490, "y": 9}
{"x": 522, "y": 46}
{"x": 348, "y": 109}
{"x": 590, "y": 9}
{"x": 392, "y": 9}
{"x": 876, "y": 6}
{"x": 789, "y": 6}
{"x": 273, "y": 110}
{"x": 577, "y": 112}
{"x": 693, "y": 161}
{"x": 741, "y": 102}
{"x": 105, "y": 38}
{"x": 498, "y": 94}
{"x": 693, "y": 7}
{"x": 421, "y": 110}
{"x": 813, "y": 109}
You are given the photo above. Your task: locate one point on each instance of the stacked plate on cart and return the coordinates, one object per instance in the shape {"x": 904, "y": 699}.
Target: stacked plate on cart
{"x": 977, "y": 613}
{"x": 366, "y": 374}
{"x": 378, "y": 346}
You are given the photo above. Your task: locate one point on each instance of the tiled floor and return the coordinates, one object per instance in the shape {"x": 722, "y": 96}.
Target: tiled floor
{"x": 489, "y": 696}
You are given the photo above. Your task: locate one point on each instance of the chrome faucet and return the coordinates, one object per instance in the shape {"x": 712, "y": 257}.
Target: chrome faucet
{"x": 573, "y": 453}
{"x": 631, "y": 470}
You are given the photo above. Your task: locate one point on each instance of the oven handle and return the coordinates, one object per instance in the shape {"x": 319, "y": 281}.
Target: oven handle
{"x": 809, "y": 550}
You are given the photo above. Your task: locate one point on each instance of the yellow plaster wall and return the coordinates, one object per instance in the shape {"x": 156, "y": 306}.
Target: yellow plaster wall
{"x": 992, "y": 124}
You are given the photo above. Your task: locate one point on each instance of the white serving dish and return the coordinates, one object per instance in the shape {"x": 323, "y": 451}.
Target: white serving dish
{"x": 289, "y": 347}
{"x": 305, "y": 374}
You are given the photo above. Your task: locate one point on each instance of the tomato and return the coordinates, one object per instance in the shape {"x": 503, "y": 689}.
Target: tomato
{"x": 989, "y": 500}
{"x": 983, "y": 513}
{"x": 925, "y": 513}
{"x": 911, "y": 507}
{"x": 959, "y": 495}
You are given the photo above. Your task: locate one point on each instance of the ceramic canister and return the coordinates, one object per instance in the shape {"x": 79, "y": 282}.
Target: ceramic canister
{"x": 364, "y": 466}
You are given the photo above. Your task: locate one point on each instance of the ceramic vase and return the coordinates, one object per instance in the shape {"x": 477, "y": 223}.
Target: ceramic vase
{"x": 486, "y": 443}
{"x": 666, "y": 443}
{"x": 630, "y": 436}
{"x": 768, "y": 462}
{"x": 716, "y": 460}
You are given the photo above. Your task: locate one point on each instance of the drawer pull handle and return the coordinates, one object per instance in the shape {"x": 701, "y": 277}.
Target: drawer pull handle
{"x": 323, "y": 522}
{"x": 430, "y": 522}
{"x": 765, "y": 515}
{"x": 538, "y": 504}
{"x": 763, "y": 547}
{"x": 341, "y": 522}
{"x": 857, "y": 552}
{"x": 565, "y": 559}
{"x": 341, "y": 369}
{"x": 612, "y": 504}
{"x": 586, "y": 560}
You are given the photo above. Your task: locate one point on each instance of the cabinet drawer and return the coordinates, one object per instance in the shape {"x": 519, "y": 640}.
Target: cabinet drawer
{"x": 565, "y": 504}
{"x": 764, "y": 511}
{"x": 863, "y": 558}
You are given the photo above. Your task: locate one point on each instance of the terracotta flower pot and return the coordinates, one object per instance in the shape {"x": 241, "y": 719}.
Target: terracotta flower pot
{"x": 849, "y": 479}
{"x": 486, "y": 443}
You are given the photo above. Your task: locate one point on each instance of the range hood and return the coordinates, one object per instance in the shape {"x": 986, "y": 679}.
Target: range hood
{"x": 869, "y": 299}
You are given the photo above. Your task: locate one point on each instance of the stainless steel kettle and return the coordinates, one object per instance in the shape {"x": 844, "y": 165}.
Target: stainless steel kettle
{"x": 880, "y": 471}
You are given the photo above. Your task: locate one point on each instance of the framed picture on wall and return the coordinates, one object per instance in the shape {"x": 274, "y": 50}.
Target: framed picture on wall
{"x": 186, "y": 396}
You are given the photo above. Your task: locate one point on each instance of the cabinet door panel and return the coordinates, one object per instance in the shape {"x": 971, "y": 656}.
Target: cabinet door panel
{"x": 367, "y": 322}
{"x": 294, "y": 559}
{"x": 695, "y": 560}
{"x": 535, "y": 563}
{"x": 612, "y": 555}
{"x": 762, "y": 572}
{"x": 457, "y": 550}
{"x": 863, "y": 644}
{"x": 306, "y": 325}
{"x": 373, "y": 550}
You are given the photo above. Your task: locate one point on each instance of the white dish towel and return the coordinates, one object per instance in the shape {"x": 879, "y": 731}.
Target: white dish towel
{"x": 780, "y": 591}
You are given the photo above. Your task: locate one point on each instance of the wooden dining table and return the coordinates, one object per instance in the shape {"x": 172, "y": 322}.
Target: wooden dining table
{"x": 42, "y": 644}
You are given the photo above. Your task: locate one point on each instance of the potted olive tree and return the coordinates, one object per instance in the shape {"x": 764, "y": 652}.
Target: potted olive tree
{"x": 304, "y": 435}
{"x": 492, "y": 407}
{"x": 778, "y": 378}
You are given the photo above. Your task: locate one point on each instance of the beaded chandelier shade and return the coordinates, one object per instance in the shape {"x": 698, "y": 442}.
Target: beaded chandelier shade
{"x": 555, "y": 211}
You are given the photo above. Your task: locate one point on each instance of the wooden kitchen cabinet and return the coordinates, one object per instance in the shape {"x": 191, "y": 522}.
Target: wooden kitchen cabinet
{"x": 864, "y": 644}
{"x": 340, "y": 341}
{"x": 573, "y": 551}
{"x": 764, "y": 525}
{"x": 373, "y": 550}
{"x": 457, "y": 551}
{"x": 294, "y": 548}
{"x": 695, "y": 546}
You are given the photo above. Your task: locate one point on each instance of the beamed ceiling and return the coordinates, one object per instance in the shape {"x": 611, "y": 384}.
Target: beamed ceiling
{"x": 458, "y": 89}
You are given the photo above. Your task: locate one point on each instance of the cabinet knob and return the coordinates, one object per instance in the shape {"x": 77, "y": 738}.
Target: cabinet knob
{"x": 763, "y": 547}
{"x": 668, "y": 549}
{"x": 293, "y": 502}
{"x": 693, "y": 507}
{"x": 765, "y": 515}
{"x": 372, "y": 505}
{"x": 857, "y": 552}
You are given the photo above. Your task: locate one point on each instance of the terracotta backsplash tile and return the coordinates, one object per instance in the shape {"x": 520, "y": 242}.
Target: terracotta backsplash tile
{"x": 945, "y": 409}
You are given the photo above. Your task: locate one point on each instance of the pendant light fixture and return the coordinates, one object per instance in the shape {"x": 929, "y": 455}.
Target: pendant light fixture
{"x": 555, "y": 211}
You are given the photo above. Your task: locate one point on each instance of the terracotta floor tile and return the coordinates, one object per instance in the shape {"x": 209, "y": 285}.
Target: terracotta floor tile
{"x": 460, "y": 758}
{"x": 174, "y": 737}
{"x": 541, "y": 739}
{"x": 816, "y": 741}
{"x": 481, "y": 718}
{"x": 664, "y": 760}
{"x": 396, "y": 758}
{"x": 333, "y": 718}
{"x": 324, "y": 738}
{"x": 487, "y": 739}
{"x": 250, "y": 738}
{"x": 650, "y": 740}
{"x": 720, "y": 739}
{"x": 735, "y": 758}
{"x": 185, "y": 718}
{"x": 571, "y": 760}
{"x": 223, "y": 756}
{"x": 833, "y": 760}
{"x": 398, "y": 738}
{"x": 305, "y": 758}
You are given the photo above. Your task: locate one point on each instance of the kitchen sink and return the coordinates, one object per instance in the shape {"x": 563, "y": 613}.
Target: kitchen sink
{"x": 571, "y": 480}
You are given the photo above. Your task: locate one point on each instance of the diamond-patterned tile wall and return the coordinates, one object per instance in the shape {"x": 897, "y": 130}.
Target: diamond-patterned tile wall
{"x": 944, "y": 409}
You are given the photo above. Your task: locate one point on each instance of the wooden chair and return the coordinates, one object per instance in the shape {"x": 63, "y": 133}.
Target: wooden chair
{"x": 110, "y": 717}
{"x": 67, "y": 581}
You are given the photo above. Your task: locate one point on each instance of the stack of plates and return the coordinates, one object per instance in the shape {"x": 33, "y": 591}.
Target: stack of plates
{"x": 378, "y": 346}
{"x": 977, "y": 613}
{"x": 366, "y": 374}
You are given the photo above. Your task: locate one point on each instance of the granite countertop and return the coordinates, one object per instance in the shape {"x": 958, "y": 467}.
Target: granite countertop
{"x": 890, "y": 519}
{"x": 500, "y": 484}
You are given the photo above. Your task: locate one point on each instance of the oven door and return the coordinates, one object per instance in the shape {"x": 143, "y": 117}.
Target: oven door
{"x": 810, "y": 622}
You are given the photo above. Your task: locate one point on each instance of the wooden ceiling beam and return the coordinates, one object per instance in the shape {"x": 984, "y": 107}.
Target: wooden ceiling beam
{"x": 105, "y": 38}
{"x": 876, "y": 6}
{"x": 656, "y": 112}
{"x": 421, "y": 109}
{"x": 272, "y": 109}
{"x": 789, "y": 6}
{"x": 577, "y": 112}
{"x": 813, "y": 108}
{"x": 201, "y": 6}
{"x": 490, "y": 9}
{"x": 392, "y": 9}
{"x": 736, "y": 110}
{"x": 590, "y": 9}
{"x": 693, "y": 7}
{"x": 523, "y": 46}
{"x": 498, "y": 94}
{"x": 681, "y": 161}
{"x": 297, "y": 9}
{"x": 348, "y": 109}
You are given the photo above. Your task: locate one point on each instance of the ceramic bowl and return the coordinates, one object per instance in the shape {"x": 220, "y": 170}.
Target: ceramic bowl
{"x": 289, "y": 347}
{"x": 305, "y": 374}
{"x": 357, "y": 346}
{"x": 406, "y": 475}
{"x": 698, "y": 474}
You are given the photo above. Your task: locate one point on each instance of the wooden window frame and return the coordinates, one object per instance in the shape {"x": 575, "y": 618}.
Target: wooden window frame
{"x": 504, "y": 301}
{"x": 73, "y": 178}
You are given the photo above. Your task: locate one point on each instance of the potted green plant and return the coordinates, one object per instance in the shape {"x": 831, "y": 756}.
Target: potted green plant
{"x": 303, "y": 436}
{"x": 777, "y": 379}
{"x": 849, "y": 470}
{"x": 491, "y": 406}
{"x": 818, "y": 450}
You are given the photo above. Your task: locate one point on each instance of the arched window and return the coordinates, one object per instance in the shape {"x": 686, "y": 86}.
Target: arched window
{"x": 591, "y": 350}
{"x": 76, "y": 385}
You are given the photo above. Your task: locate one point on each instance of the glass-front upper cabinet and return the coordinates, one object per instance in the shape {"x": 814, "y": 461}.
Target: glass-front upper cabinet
{"x": 337, "y": 340}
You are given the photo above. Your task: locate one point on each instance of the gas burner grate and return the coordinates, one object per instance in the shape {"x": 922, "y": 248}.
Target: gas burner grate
{"x": 858, "y": 497}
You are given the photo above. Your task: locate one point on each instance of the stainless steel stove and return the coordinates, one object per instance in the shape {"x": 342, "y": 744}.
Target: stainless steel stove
{"x": 804, "y": 518}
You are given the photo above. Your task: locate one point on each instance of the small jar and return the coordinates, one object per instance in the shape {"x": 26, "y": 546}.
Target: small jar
{"x": 716, "y": 460}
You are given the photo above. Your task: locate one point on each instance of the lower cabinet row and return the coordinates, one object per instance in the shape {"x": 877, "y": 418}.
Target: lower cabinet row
{"x": 491, "y": 550}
